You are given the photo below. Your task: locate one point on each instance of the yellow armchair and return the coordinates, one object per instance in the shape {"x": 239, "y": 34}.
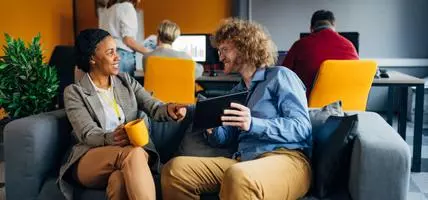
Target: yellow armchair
{"x": 170, "y": 79}
{"x": 346, "y": 80}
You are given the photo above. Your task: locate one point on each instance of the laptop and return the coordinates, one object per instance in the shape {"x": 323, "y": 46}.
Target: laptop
{"x": 208, "y": 112}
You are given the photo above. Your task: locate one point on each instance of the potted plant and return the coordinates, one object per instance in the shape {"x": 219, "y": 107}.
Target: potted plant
{"x": 27, "y": 84}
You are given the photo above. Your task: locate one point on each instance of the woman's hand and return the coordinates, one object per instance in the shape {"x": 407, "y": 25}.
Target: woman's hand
{"x": 239, "y": 117}
{"x": 177, "y": 111}
{"x": 120, "y": 138}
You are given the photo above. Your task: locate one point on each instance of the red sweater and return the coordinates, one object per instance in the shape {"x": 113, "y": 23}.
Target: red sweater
{"x": 307, "y": 54}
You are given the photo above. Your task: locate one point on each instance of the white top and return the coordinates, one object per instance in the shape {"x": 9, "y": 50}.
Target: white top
{"x": 107, "y": 99}
{"x": 120, "y": 20}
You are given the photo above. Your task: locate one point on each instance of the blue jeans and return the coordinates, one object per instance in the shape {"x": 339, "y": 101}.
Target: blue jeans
{"x": 127, "y": 61}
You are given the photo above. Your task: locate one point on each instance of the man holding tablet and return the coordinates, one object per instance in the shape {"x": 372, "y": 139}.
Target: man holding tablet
{"x": 272, "y": 128}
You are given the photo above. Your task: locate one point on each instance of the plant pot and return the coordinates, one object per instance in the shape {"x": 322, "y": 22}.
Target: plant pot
{"x": 3, "y": 123}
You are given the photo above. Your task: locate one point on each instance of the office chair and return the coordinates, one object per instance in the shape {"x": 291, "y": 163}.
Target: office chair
{"x": 63, "y": 59}
{"x": 170, "y": 79}
{"x": 346, "y": 80}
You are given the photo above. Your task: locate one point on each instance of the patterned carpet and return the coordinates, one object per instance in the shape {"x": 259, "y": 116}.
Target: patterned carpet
{"x": 418, "y": 189}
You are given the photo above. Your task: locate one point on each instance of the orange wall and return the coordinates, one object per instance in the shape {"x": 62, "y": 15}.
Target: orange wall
{"x": 85, "y": 15}
{"x": 193, "y": 16}
{"x": 24, "y": 19}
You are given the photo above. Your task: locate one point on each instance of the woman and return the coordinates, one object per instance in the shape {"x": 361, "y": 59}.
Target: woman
{"x": 167, "y": 32}
{"x": 97, "y": 107}
{"x": 120, "y": 20}
{"x": 271, "y": 131}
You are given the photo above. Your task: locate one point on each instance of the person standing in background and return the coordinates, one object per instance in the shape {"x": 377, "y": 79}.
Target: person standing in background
{"x": 120, "y": 20}
{"x": 167, "y": 32}
{"x": 324, "y": 43}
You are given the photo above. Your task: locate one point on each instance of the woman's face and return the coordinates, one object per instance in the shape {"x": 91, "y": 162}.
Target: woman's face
{"x": 105, "y": 59}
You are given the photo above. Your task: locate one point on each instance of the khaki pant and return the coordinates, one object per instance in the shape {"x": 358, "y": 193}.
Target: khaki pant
{"x": 282, "y": 174}
{"x": 123, "y": 170}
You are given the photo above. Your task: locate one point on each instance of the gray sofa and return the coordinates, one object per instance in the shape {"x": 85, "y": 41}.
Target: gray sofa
{"x": 35, "y": 146}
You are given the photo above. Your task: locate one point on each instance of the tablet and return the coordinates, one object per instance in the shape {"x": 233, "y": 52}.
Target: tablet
{"x": 208, "y": 112}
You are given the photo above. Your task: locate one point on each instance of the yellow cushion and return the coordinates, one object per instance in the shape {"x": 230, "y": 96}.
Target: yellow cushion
{"x": 170, "y": 79}
{"x": 346, "y": 80}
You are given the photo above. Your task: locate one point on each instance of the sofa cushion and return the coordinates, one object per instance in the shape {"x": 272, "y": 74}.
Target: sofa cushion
{"x": 332, "y": 150}
{"x": 319, "y": 116}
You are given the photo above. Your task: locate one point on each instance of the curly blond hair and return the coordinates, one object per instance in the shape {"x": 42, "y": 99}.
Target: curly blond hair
{"x": 250, "y": 38}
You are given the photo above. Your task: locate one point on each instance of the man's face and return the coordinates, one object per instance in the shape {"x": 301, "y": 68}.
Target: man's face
{"x": 228, "y": 54}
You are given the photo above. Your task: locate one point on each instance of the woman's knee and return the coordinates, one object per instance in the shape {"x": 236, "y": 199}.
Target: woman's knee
{"x": 136, "y": 154}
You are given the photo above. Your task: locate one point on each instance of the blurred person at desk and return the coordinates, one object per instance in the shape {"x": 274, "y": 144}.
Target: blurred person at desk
{"x": 324, "y": 43}
{"x": 120, "y": 19}
{"x": 167, "y": 32}
{"x": 97, "y": 107}
{"x": 272, "y": 131}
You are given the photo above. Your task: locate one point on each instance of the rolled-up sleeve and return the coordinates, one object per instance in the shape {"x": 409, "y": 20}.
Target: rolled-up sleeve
{"x": 293, "y": 124}
{"x": 128, "y": 20}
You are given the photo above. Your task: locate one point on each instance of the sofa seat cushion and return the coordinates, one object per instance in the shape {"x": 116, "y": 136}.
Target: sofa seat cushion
{"x": 50, "y": 191}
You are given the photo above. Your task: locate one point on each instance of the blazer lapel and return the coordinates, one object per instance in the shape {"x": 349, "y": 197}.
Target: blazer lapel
{"x": 121, "y": 94}
{"x": 93, "y": 100}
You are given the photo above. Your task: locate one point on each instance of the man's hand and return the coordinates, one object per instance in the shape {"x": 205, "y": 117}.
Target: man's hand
{"x": 239, "y": 117}
{"x": 120, "y": 138}
{"x": 177, "y": 111}
{"x": 210, "y": 131}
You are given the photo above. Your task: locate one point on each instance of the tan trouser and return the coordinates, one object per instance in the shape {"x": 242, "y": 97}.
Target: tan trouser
{"x": 282, "y": 174}
{"x": 123, "y": 170}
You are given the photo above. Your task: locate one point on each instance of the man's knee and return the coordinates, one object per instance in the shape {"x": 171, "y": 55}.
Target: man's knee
{"x": 238, "y": 184}
{"x": 236, "y": 176}
{"x": 174, "y": 168}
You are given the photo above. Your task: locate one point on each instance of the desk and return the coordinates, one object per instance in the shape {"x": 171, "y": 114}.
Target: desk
{"x": 404, "y": 82}
{"x": 396, "y": 79}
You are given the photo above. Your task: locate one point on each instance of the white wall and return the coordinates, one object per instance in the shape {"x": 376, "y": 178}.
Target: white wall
{"x": 388, "y": 28}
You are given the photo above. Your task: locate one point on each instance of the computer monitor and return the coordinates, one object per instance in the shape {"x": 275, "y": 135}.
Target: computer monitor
{"x": 351, "y": 36}
{"x": 281, "y": 57}
{"x": 198, "y": 46}
{"x": 195, "y": 45}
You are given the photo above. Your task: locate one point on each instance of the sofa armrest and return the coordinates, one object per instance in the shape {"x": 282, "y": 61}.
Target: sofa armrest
{"x": 380, "y": 163}
{"x": 34, "y": 147}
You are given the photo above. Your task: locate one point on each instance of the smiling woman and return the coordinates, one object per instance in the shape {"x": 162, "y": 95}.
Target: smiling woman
{"x": 98, "y": 106}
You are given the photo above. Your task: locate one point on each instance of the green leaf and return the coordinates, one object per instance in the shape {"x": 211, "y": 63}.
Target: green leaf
{"x": 27, "y": 84}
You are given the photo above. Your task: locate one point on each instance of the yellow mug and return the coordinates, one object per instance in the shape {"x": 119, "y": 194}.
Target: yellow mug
{"x": 137, "y": 132}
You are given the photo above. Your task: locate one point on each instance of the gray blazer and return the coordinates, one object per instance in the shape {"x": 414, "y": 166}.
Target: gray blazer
{"x": 86, "y": 115}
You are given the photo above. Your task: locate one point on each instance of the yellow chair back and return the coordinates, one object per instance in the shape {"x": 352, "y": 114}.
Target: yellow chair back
{"x": 170, "y": 79}
{"x": 346, "y": 80}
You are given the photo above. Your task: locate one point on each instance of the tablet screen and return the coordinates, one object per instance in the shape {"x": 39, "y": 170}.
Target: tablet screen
{"x": 208, "y": 112}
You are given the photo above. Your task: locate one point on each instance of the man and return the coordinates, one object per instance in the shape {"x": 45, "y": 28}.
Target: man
{"x": 272, "y": 130}
{"x": 324, "y": 43}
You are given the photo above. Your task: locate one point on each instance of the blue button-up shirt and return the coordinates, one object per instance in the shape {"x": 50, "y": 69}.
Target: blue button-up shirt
{"x": 279, "y": 115}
